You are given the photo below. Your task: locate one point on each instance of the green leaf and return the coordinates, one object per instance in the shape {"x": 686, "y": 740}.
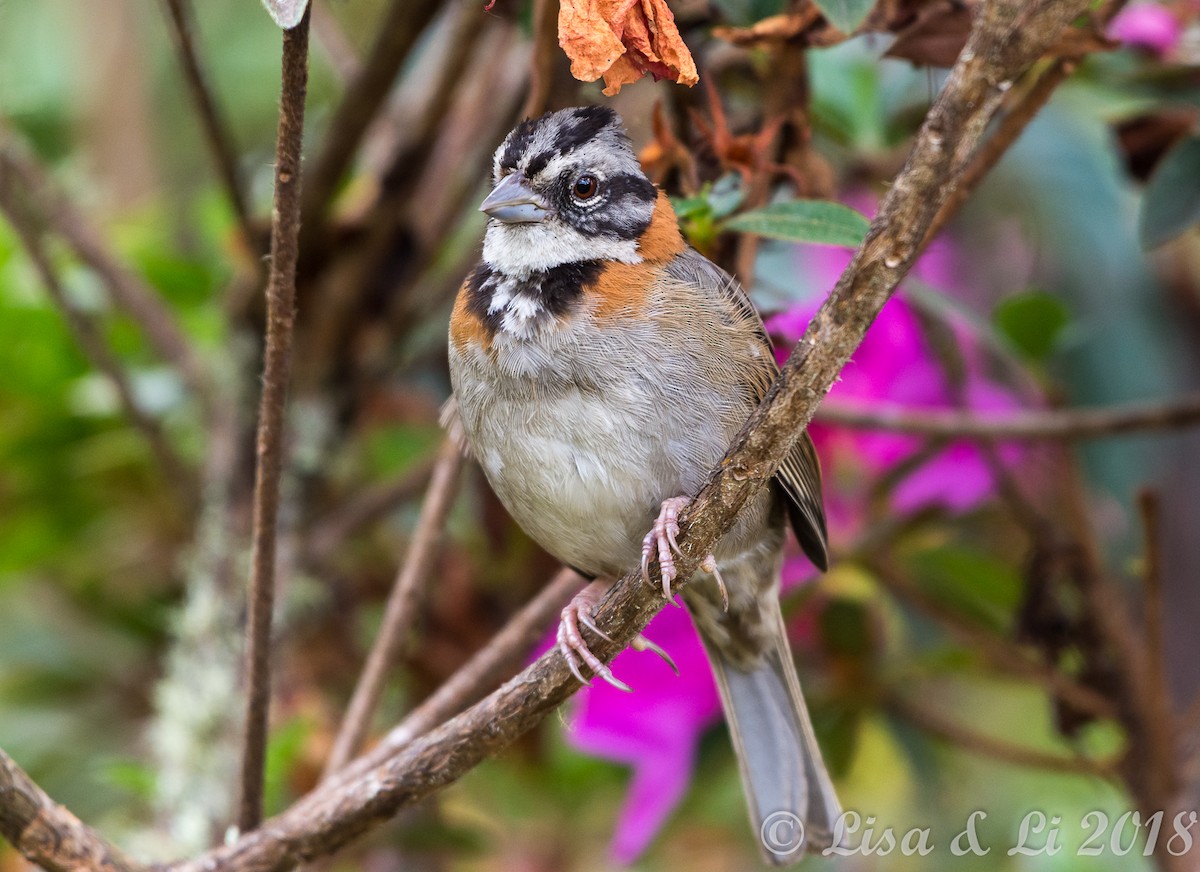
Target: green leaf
{"x": 1171, "y": 203}
{"x": 817, "y": 221}
{"x": 1033, "y": 322}
{"x": 845, "y": 15}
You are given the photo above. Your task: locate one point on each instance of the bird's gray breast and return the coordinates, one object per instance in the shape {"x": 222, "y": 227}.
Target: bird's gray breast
{"x": 582, "y": 433}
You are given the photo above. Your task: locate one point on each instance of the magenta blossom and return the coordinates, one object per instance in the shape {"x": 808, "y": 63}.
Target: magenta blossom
{"x": 1148, "y": 26}
{"x": 895, "y": 364}
{"x": 656, "y": 729}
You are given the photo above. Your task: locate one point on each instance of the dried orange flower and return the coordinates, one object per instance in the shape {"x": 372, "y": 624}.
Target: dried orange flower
{"x": 622, "y": 40}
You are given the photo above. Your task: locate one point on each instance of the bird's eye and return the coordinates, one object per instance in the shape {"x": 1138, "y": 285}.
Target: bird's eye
{"x": 585, "y": 187}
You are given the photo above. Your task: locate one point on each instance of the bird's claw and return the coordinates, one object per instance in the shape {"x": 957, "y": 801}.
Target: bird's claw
{"x": 660, "y": 542}
{"x": 710, "y": 566}
{"x": 641, "y": 643}
{"x": 571, "y": 644}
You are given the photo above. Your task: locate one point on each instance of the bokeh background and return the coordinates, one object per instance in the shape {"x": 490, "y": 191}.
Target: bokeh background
{"x": 121, "y": 585}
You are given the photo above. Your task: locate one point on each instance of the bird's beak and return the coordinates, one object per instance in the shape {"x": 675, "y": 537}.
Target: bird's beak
{"x": 514, "y": 202}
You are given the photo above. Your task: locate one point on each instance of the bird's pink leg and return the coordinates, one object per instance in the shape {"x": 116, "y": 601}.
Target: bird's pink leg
{"x": 578, "y": 613}
{"x": 570, "y": 638}
{"x": 660, "y": 542}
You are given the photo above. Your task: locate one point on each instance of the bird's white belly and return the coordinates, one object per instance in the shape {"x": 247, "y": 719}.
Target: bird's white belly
{"x": 581, "y": 474}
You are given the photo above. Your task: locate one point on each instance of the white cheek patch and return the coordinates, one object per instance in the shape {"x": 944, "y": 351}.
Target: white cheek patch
{"x": 519, "y": 250}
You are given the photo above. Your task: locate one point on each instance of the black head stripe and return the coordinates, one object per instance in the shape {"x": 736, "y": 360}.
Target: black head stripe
{"x": 580, "y": 127}
{"x": 636, "y": 187}
{"x": 588, "y": 121}
{"x": 518, "y": 143}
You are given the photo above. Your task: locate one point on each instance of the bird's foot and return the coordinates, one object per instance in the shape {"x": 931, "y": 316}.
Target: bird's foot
{"x": 578, "y": 613}
{"x": 660, "y": 542}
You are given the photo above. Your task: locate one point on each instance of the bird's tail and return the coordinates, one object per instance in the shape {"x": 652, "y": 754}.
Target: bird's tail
{"x": 792, "y": 802}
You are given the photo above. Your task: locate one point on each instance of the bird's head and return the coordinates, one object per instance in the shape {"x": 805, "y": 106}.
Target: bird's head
{"x": 567, "y": 188}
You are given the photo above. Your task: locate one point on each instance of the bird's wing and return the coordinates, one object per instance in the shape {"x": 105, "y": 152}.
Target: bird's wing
{"x": 799, "y": 478}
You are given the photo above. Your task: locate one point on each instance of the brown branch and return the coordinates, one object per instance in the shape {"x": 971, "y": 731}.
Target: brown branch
{"x": 398, "y": 31}
{"x": 402, "y": 606}
{"x": 1000, "y": 653}
{"x": 127, "y": 291}
{"x": 333, "y": 40}
{"x": 1058, "y": 424}
{"x": 281, "y": 297}
{"x": 542, "y": 58}
{"x": 1149, "y": 506}
{"x": 486, "y": 669}
{"x": 1156, "y": 711}
{"x": 1152, "y": 768}
{"x": 47, "y": 834}
{"x": 1026, "y": 105}
{"x": 328, "y": 534}
{"x": 997, "y": 749}
{"x": 14, "y": 204}
{"x": 216, "y": 131}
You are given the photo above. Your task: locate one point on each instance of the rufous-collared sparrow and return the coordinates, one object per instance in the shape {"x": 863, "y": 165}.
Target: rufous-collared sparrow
{"x": 601, "y": 367}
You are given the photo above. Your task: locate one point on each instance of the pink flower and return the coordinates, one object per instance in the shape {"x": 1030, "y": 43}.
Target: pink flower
{"x": 897, "y": 365}
{"x": 655, "y": 730}
{"x": 1148, "y": 26}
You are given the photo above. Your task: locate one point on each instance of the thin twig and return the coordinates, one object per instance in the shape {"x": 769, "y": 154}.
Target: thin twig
{"x": 1011, "y": 126}
{"x": 398, "y": 31}
{"x": 1056, "y": 424}
{"x": 997, "y": 749}
{"x": 281, "y": 295}
{"x": 1158, "y": 694}
{"x": 333, "y": 40}
{"x": 128, "y": 292}
{"x": 1026, "y": 105}
{"x": 402, "y": 606}
{"x": 542, "y": 58}
{"x": 999, "y": 652}
{"x": 330, "y": 532}
{"x": 1149, "y": 506}
{"x": 1152, "y": 775}
{"x": 216, "y": 131}
{"x": 91, "y": 341}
